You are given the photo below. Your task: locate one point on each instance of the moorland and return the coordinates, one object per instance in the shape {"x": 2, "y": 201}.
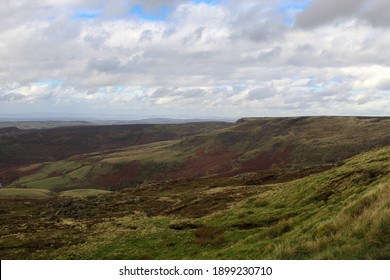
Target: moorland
{"x": 259, "y": 188}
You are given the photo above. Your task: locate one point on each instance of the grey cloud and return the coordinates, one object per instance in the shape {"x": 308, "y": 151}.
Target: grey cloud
{"x": 257, "y": 29}
{"x": 168, "y": 32}
{"x": 305, "y": 48}
{"x": 194, "y": 93}
{"x": 161, "y": 92}
{"x": 198, "y": 34}
{"x": 116, "y": 8}
{"x": 309, "y": 55}
{"x": 96, "y": 42}
{"x": 377, "y": 12}
{"x": 324, "y": 11}
{"x": 195, "y": 36}
{"x": 275, "y": 52}
{"x": 61, "y": 29}
{"x": 11, "y": 97}
{"x": 179, "y": 92}
{"x": 146, "y": 36}
{"x": 363, "y": 99}
{"x": 12, "y": 13}
{"x": 150, "y": 5}
{"x": 104, "y": 65}
{"x": 258, "y": 24}
{"x": 261, "y": 93}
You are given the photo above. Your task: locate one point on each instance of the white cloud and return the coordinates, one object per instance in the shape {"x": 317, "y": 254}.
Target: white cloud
{"x": 232, "y": 58}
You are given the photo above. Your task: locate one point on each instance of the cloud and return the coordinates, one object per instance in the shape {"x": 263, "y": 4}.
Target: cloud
{"x": 111, "y": 64}
{"x": 260, "y": 93}
{"x": 257, "y": 23}
{"x": 376, "y": 12}
{"x": 151, "y": 5}
{"x": 11, "y": 97}
{"x": 61, "y": 30}
{"x": 226, "y": 58}
{"x": 324, "y": 11}
{"x": 327, "y": 11}
{"x": 267, "y": 55}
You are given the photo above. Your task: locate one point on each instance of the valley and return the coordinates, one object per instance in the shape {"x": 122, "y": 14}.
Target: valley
{"x": 260, "y": 188}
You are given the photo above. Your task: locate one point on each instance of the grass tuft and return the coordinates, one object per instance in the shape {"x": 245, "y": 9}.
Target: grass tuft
{"x": 209, "y": 236}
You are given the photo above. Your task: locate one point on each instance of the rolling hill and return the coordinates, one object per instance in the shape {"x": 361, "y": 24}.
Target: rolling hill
{"x": 341, "y": 213}
{"x": 268, "y": 188}
{"x": 118, "y": 157}
{"x": 22, "y": 147}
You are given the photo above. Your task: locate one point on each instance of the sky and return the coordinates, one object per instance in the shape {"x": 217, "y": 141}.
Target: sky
{"x": 194, "y": 59}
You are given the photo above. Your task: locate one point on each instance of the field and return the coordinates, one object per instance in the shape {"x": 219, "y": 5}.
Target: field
{"x": 12, "y": 193}
{"x": 258, "y": 189}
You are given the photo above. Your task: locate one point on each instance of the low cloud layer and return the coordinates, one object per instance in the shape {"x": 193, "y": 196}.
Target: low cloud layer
{"x": 222, "y": 58}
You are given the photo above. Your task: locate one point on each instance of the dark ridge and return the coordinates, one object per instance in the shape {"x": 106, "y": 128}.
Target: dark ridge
{"x": 19, "y": 147}
{"x": 9, "y": 130}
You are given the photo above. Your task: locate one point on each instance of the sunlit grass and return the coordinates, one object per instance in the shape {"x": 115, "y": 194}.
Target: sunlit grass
{"x": 24, "y": 193}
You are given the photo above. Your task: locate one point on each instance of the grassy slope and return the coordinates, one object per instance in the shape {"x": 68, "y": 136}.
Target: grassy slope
{"x": 83, "y": 193}
{"x": 22, "y": 193}
{"x": 18, "y": 147}
{"x": 313, "y": 140}
{"x": 80, "y": 173}
{"x": 342, "y": 213}
{"x": 12, "y": 193}
{"x": 250, "y": 145}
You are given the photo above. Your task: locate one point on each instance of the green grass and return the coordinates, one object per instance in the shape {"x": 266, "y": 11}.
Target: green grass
{"x": 342, "y": 213}
{"x": 156, "y": 158}
{"x": 44, "y": 193}
{"x": 8, "y": 193}
{"x": 83, "y": 193}
{"x": 80, "y": 173}
{"x": 48, "y": 183}
{"x": 47, "y": 170}
{"x": 159, "y": 152}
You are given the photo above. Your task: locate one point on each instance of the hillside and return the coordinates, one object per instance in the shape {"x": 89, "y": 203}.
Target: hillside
{"x": 18, "y": 147}
{"x": 341, "y": 213}
{"x": 264, "y": 188}
{"x": 259, "y": 150}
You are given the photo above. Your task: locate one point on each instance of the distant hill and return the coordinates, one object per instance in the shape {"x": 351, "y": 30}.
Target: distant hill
{"x": 265, "y": 143}
{"x": 116, "y": 157}
{"x": 41, "y": 124}
{"x": 18, "y": 147}
{"x": 165, "y": 121}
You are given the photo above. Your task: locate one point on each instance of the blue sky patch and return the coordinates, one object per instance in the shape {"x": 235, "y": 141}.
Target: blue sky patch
{"x": 316, "y": 88}
{"x": 158, "y": 15}
{"x": 293, "y": 6}
{"x": 208, "y": 2}
{"x": 86, "y": 14}
{"x": 290, "y": 8}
